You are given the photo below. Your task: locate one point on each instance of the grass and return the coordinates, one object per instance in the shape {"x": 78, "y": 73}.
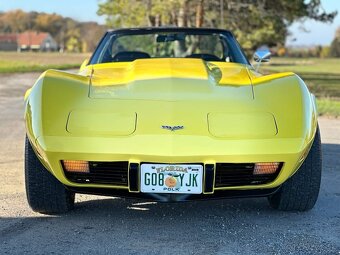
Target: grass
{"x": 305, "y": 65}
{"x": 328, "y": 107}
{"x": 322, "y": 77}
{"x": 12, "y": 62}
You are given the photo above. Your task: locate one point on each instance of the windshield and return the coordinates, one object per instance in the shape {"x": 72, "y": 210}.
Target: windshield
{"x": 145, "y": 44}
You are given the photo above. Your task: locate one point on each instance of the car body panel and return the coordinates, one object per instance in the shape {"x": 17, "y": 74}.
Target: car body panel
{"x": 115, "y": 111}
{"x": 92, "y": 123}
{"x": 60, "y": 105}
{"x": 262, "y": 125}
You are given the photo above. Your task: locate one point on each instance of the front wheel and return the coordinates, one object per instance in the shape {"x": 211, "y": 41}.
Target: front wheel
{"x": 45, "y": 194}
{"x": 300, "y": 192}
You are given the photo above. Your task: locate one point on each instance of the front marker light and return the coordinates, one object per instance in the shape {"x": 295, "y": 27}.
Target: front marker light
{"x": 266, "y": 168}
{"x": 79, "y": 166}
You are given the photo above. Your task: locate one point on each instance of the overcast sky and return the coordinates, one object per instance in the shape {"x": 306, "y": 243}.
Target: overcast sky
{"x": 85, "y": 10}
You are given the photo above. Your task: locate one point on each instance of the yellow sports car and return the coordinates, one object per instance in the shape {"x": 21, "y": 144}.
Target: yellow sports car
{"x": 171, "y": 114}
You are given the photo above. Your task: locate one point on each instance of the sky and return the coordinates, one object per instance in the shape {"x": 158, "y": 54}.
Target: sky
{"x": 85, "y": 10}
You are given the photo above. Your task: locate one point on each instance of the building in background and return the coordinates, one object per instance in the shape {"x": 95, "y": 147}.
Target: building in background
{"x": 28, "y": 41}
{"x": 8, "y": 42}
{"x": 36, "y": 41}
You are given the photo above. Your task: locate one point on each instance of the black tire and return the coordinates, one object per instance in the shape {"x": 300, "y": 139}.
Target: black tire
{"x": 45, "y": 194}
{"x": 300, "y": 192}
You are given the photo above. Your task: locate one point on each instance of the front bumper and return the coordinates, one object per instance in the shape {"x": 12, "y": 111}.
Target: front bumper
{"x": 179, "y": 149}
{"x": 218, "y": 194}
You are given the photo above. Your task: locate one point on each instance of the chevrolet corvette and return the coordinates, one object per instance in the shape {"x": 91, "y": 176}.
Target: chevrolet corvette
{"x": 171, "y": 114}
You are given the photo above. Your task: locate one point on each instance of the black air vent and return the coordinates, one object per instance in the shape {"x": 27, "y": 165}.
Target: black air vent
{"x": 241, "y": 174}
{"x": 114, "y": 173}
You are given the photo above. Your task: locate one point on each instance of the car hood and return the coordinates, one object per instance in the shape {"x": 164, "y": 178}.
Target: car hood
{"x": 170, "y": 79}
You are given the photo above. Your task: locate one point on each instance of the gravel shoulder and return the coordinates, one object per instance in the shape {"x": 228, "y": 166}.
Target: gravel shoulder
{"x": 105, "y": 225}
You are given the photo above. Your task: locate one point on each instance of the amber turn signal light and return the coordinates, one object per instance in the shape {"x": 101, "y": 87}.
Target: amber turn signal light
{"x": 80, "y": 166}
{"x": 266, "y": 168}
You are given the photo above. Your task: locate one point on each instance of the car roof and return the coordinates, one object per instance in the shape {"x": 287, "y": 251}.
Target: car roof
{"x": 167, "y": 29}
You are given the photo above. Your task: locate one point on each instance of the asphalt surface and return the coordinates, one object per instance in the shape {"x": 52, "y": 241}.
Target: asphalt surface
{"x": 104, "y": 225}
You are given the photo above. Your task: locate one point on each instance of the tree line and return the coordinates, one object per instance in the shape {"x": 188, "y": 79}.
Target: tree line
{"x": 334, "y": 50}
{"x": 254, "y": 22}
{"x": 70, "y": 34}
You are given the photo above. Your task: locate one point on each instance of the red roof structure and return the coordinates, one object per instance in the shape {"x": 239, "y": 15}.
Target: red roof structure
{"x": 8, "y": 38}
{"x": 30, "y": 38}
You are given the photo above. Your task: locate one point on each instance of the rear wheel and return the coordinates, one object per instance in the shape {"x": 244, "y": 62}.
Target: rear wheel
{"x": 300, "y": 192}
{"x": 45, "y": 194}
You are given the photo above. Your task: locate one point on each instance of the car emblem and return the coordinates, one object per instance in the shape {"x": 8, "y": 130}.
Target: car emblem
{"x": 172, "y": 128}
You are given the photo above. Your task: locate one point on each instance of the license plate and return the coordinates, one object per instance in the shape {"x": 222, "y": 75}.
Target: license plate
{"x": 168, "y": 178}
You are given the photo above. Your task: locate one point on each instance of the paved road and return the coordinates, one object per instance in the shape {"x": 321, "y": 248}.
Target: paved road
{"x": 101, "y": 225}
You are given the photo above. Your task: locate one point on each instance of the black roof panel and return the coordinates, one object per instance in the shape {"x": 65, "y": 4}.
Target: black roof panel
{"x": 167, "y": 29}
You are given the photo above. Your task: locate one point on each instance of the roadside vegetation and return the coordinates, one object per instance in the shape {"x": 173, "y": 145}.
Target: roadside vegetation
{"x": 12, "y": 62}
{"x": 322, "y": 76}
{"x": 70, "y": 35}
{"x": 328, "y": 107}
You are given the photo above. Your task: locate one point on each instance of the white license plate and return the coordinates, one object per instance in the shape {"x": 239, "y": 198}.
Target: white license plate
{"x": 171, "y": 178}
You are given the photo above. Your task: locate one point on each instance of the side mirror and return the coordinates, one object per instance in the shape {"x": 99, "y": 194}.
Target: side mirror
{"x": 261, "y": 56}
{"x": 84, "y": 64}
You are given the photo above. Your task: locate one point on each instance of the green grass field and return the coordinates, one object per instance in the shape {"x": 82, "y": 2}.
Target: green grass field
{"x": 322, "y": 76}
{"x": 12, "y": 62}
